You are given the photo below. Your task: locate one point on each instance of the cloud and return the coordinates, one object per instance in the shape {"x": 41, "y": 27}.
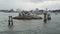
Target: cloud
{"x": 29, "y": 4}
{"x": 36, "y": 1}
{"x": 43, "y": 5}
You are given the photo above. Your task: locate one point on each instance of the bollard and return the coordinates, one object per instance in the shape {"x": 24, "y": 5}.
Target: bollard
{"x": 45, "y": 19}
{"x": 45, "y": 15}
{"x": 10, "y": 21}
{"x": 48, "y": 17}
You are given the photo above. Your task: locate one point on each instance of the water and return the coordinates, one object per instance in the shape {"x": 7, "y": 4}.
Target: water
{"x": 29, "y": 26}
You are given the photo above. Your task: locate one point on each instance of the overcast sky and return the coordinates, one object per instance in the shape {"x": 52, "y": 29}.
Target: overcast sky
{"x": 29, "y": 4}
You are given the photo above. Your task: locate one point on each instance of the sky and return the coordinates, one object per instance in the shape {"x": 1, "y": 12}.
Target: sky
{"x": 29, "y": 4}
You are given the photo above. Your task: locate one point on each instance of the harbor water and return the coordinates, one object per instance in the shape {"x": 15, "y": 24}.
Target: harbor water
{"x": 29, "y": 26}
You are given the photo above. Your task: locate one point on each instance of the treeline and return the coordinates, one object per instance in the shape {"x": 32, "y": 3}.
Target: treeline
{"x": 56, "y": 10}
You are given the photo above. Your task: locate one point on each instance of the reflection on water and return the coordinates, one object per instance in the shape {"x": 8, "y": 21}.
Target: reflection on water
{"x": 29, "y": 26}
